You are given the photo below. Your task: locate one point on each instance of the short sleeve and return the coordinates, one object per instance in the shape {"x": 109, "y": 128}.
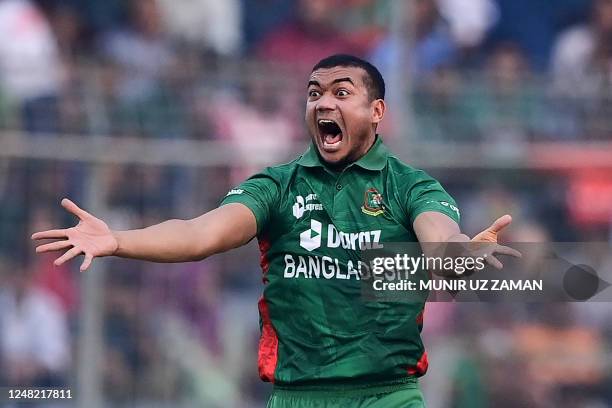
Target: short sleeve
{"x": 260, "y": 194}
{"x": 428, "y": 195}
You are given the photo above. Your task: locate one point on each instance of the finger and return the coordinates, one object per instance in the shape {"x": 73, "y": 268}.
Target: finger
{"x": 501, "y": 249}
{"x": 53, "y": 246}
{"x": 75, "y": 209}
{"x": 86, "y": 262}
{"x": 71, "y": 253}
{"x": 55, "y": 233}
{"x": 500, "y": 223}
{"x": 493, "y": 261}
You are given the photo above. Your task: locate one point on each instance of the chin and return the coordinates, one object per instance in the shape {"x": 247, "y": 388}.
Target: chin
{"x": 334, "y": 159}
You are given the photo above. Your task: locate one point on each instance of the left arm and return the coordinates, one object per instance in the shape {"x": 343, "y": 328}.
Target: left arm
{"x": 436, "y": 228}
{"x": 432, "y": 226}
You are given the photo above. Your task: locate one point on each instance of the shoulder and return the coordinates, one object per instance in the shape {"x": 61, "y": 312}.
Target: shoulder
{"x": 281, "y": 173}
{"x": 406, "y": 173}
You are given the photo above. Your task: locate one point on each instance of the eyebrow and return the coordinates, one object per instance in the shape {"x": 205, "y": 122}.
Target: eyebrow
{"x": 335, "y": 81}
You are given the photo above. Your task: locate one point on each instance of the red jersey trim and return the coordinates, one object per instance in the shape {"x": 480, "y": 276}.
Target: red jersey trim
{"x": 267, "y": 358}
{"x": 421, "y": 366}
{"x": 264, "y": 246}
{"x": 420, "y": 317}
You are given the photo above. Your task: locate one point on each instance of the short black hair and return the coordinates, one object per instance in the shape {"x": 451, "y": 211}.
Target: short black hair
{"x": 373, "y": 80}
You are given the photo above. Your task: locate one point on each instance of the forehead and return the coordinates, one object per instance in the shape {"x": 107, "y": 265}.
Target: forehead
{"x": 326, "y": 76}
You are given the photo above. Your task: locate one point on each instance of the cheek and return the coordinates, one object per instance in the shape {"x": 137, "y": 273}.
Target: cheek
{"x": 358, "y": 119}
{"x": 309, "y": 115}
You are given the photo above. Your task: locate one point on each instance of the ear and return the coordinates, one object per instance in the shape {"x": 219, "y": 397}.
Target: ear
{"x": 378, "y": 110}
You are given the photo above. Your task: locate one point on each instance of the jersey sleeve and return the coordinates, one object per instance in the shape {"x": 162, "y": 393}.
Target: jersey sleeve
{"x": 260, "y": 194}
{"x": 426, "y": 194}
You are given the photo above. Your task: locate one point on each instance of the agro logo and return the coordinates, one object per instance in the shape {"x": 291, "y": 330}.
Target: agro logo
{"x": 298, "y": 207}
{"x": 372, "y": 203}
{"x": 308, "y": 204}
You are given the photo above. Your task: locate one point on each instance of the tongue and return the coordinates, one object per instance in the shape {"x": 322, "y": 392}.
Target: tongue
{"x": 331, "y": 139}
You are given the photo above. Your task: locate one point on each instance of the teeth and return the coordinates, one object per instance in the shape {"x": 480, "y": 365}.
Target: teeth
{"x": 325, "y": 121}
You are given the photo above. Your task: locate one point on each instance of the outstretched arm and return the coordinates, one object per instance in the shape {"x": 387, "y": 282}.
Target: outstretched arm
{"x": 216, "y": 231}
{"x": 435, "y": 228}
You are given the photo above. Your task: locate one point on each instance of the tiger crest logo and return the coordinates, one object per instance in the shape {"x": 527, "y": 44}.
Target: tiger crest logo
{"x": 373, "y": 203}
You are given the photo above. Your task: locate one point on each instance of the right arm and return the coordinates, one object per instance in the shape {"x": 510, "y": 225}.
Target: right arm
{"x": 219, "y": 230}
{"x": 216, "y": 231}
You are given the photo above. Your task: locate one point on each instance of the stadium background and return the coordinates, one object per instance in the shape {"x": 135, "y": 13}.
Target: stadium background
{"x": 142, "y": 110}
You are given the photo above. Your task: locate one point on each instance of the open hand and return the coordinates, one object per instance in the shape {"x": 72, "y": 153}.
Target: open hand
{"x": 488, "y": 238}
{"x": 91, "y": 237}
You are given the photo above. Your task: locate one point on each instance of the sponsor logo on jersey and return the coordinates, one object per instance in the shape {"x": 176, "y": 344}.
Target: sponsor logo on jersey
{"x": 312, "y": 238}
{"x": 372, "y": 203}
{"x": 305, "y": 204}
{"x": 235, "y": 191}
{"x": 446, "y": 204}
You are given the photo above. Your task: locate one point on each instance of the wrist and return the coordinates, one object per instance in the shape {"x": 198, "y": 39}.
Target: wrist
{"x": 118, "y": 237}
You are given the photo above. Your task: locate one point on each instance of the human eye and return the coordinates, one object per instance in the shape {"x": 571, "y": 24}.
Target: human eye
{"x": 313, "y": 93}
{"x": 342, "y": 92}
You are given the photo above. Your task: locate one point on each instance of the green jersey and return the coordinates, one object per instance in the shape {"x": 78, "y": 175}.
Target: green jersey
{"x": 316, "y": 330}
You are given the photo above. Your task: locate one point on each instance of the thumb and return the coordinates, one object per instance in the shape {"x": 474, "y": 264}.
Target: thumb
{"x": 500, "y": 223}
{"x": 74, "y": 209}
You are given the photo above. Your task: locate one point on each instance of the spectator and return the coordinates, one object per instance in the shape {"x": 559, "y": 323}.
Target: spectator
{"x": 260, "y": 17}
{"x": 191, "y": 291}
{"x": 34, "y": 340}
{"x": 140, "y": 51}
{"x": 102, "y": 16}
{"x": 254, "y": 126}
{"x": 555, "y": 345}
{"x": 438, "y": 107}
{"x": 30, "y": 67}
{"x": 533, "y": 25}
{"x": 124, "y": 327}
{"x": 582, "y": 69}
{"x": 301, "y": 43}
{"x": 469, "y": 22}
{"x": 364, "y": 22}
{"x": 70, "y": 32}
{"x": 433, "y": 44}
{"x": 503, "y": 106}
{"x": 142, "y": 64}
{"x": 210, "y": 24}
{"x": 148, "y": 198}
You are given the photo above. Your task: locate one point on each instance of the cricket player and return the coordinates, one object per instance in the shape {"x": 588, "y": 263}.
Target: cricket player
{"x": 321, "y": 344}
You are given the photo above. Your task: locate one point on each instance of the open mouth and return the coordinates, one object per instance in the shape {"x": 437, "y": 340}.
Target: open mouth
{"x": 330, "y": 132}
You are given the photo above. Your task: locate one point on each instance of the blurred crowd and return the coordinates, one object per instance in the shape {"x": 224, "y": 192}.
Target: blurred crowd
{"x": 234, "y": 71}
{"x": 475, "y": 69}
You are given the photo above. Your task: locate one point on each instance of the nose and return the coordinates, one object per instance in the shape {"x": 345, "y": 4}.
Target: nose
{"x": 325, "y": 103}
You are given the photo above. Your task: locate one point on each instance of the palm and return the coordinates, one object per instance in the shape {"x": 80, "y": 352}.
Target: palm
{"x": 91, "y": 237}
{"x": 481, "y": 243}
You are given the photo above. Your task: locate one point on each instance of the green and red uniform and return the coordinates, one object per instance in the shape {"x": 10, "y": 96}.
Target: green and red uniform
{"x": 317, "y": 333}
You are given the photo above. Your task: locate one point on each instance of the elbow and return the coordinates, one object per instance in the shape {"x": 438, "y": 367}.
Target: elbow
{"x": 200, "y": 245}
